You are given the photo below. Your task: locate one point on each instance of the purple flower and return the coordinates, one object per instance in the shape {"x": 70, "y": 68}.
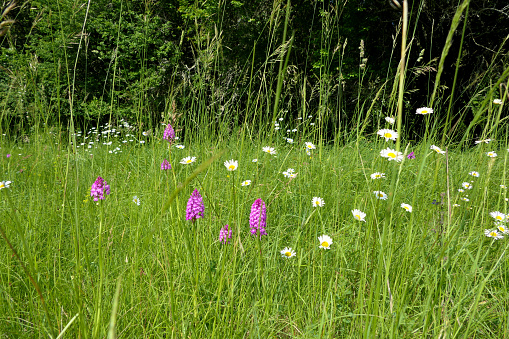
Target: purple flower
{"x": 258, "y": 218}
{"x": 195, "y": 207}
{"x": 225, "y": 234}
{"x": 8, "y": 155}
{"x": 165, "y": 165}
{"x": 411, "y": 155}
{"x": 169, "y": 133}
{"x": 99, "y": 188}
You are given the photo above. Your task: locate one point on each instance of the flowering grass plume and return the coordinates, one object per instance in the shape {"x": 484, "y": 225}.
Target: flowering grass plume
{"x": 258, "y": 218}
{"x": 165, "y": 165}
{"x": 195, "y": 206}
{"x": 169, "y": 133}
{"x": 99, "y": 188}
{"x": 224, "y": 234}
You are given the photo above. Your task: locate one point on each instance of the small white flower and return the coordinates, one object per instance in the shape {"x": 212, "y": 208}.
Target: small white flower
{"x": 498, "y": 216}
{"x": 461, "y": 190}
{"x": 231, "y": 165}
{"x": 465, "y": 199}
{"x": 407, "y": 207}
{"x": 254, "y": 160}
{"x": 276, "y": 124}
{"x": 325, "y": 242}
{"x": 424, "y": 110}
{"x": 245, "y": 183}
{"x": 311, "y": 124}
{"x": 4, "y": 184}
{"x": 269, "y": 150}
{"x": 378, "y": 175}
{"x": 294, "y": 130}
{"x": 390, "y": 120}
{"x": 289, "y": 140}
{"x": 145, "y": 133}
{"x": 359, "y": 215}
{"x": 474, "y": 174}
{"x": 280, "y": 119}
{"x": 388, "y": 134}
{"x": 466, "y": 185}
{"x": 491, "y": 154}
{"x": 501, "y": 228}
{"x": 391, "y": 154}
{"x": 188, "y": 160}
{"x": 486, "y": 141}
{"x": 381, "y": 195}
{"x": 497, "y": 101}
{"x": 287, "y": 252}
{"x": 493, "y": 234}
{"x": 136, "y": 200}
{"x": 503, "y": 186}
{"x": 142, "y": 141}
{"x": 310, "y": 145}
{"x": 317, "y": 202}
{"x": 437, "y": 149}
{"x": 308, "y": 152}
{"x": 180, "y": 146}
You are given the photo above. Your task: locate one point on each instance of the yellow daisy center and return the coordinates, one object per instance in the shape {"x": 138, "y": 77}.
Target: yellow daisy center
{"x": 498, "y": 217}
{"x": 388, "y": 135}
{"x": 358, "y": 217}
{"x": 288, "y": 254}
{"x": 392, "y": 155}
{"x": 2, "y": 185}
{"x": 501, "y": 228}
{"x": 231, "y": 167}
{"x": 189, "y": 160}
{"x": 325, "y": 244}
{"x": 317, "y": 202}
{"x": 380, "y": 195}
{"x": 493, "y": 234}
{"x": 424, "y": 111}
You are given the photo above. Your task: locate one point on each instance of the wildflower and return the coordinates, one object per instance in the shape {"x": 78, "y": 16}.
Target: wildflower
{"x": 461, "y": 190}
{"x": 493, "y": 234}
{"x": 474, "y": 174}
{"x": 188, "y": 160}
{"x": 290, "y": 173}
{"x": 411, "y": 155}
{"x": 497, "y": 101}
{"x": 318, "y": 202}
{"x": 136, "y": 200}
{"x": 169, "y": 133}
{"x": 258, "y": 218}
{"x": 99, "y": 188}
{"x": 310, "y": 145}
{"x": 456, "y": 205}
{"x": 311, "y": 124}
{"x": 289, "y": 140}
{"x": 486, "y": 141}
{"x": 378, "y": 175}
{"x": 245, "y": 183}
{"x": 502, "y": 229}
{"x": 499, "y": 216}
{"x": 165, "y": 165}
{"x": 491, "y": 154}
{"x": 231, "y": 165}
{"x": 287, "y": 252}
{"x": 359, "y": 215}
{"x": 195, "y": 206}
{"x": 391, "y": 154}
{"x": 465, "y": 199}
{"x": 224, "y": 234}
{"x": 295, "y": 130}
{"x": 180, "y": 146}
{"x": 142, "y": 141}
{"x": 145, "y": 133}
{"x": 388, "y": 134}
{"x": 437, "y": 149}
{"x": 8, "y": 155}
{"x": 4, "y": 184}
{"x": 254, "y": 160}
{"x": 407, "y": 207}
{"x": 503, "y": 186}
{"x": 280, "y": 119}
{"x": 269, "y": 150}
{"x": 325, "y": 242}
{"x": 276, "y": 124}
{"x": 424, "y": 110}
{"x": 308, "y": 152}
{"x": 390, "y": 120}
{"x": 380, "y": 195}
{"x": 466, "y": 185}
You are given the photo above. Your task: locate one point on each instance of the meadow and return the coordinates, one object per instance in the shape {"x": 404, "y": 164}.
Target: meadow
{"x": 356, "y": 243}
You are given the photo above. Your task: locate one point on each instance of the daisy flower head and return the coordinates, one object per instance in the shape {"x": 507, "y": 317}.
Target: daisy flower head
{"x": 136, "y": 200}
{"x": 388, "y": 134}
{"x": 407, "y": 207}
{"x": 391, "y": 154}
{"x": 308, "y": 152}
{"x": 188, "y": 160}
{"x": 180, "y": 146}
{"x": 437, "y": 149}
{"x": 318, "y": 202}
{"x": 467, "y": 185}
{"x": 461, "y": 190}
{"x": 503, "y": 186}
{"x": 491, "y": 154}
{"x": 497, "y": 101}
{"x": 424, "y": 111}
{"x": 359, "y": 215}
{"x": 254, "y": 160}
{"x": 295, "y": 130}
{"x": 4, "y": 184}
{"x": 378, "y": 175}
{"x": 390, "y": 120}
{"x": 486, "y": 141}
{"x": 269, "y": 150}
{"x": 146, "y": 133}
{"x": 502, "y": 229}
{"x": 289, "y": 140}
{"x": 245, "y": 183}
{"x": 498, "y": 216}
{"x": 310, "y": 145}
{"x": 380, "y": 195}
{"x": 493, "y": 234}
{"x": 325, "y": 242}
{"x": 474, "y": 174}
{"x": 287, "y": 252}
{"x": 231, "y": 165}
{"x": 465, "y": 199}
